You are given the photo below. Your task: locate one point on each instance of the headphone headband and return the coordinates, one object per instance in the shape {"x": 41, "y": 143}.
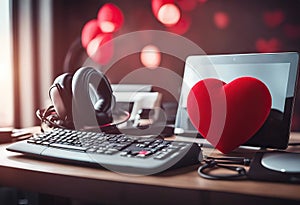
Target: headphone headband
{"x": 84, "y": 81}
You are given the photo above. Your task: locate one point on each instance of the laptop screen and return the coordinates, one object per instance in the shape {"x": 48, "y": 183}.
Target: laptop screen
{"x": 278, "y": 71}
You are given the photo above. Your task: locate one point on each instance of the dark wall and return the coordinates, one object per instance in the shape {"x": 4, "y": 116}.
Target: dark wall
{"x": 253, "y": 26}
{"x": 245, "y": 28}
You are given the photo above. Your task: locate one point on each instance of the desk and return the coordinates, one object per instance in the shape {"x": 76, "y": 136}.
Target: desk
{"x": 182, "y": 186}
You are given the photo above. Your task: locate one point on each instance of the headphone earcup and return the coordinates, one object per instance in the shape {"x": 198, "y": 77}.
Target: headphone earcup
{"x": 83, "y": 99}
{"x": 61, "y": 96}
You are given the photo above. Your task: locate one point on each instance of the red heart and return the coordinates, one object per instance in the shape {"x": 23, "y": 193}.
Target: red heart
{"x": 267, "y": 46}
{"x": 227, "y": 115}
{"x": 273, "y": 18}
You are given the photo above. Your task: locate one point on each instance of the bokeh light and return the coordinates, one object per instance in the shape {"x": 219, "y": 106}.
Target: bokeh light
{"x": 182, "y": 25}
{"x": 150, "y": 56}
{"x": 187, "y": 5}
{"x": 100, "y": 49}
{"x": 221, "y": 19}
{"x": 110, "y": 18}
{"x": 166, "y": 11}
{"x": 168, "y": 14}
{"x": 89, "y": 31}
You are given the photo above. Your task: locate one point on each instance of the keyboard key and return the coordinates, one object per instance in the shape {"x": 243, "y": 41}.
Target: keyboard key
{"x": 66, "y": 146}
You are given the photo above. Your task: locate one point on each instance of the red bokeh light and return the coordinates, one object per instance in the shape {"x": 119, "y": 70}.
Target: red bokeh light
{"x": 89, "y": 31}
{"x": 268, "y": 46}
{"x": 100, "y": 49}
{"x": 166, "y": 11}
{"x": 187, "y": 5}
{"x": 273, "y": 18}
{"x": 150, "y": 56}
{"x": 157, "y": 4}
{"x": 182, "y": 26}
{"x": 221, "y": 20}
{"x": 110, "y": 18}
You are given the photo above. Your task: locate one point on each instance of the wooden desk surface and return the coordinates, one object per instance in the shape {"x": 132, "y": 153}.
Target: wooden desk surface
{"x": 98, "y": 184}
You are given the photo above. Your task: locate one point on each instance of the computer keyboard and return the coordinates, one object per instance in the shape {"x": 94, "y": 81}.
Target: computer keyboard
{"x": 116, "y": 152}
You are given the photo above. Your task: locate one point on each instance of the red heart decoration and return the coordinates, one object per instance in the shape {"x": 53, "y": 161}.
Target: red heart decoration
{"x": 273, "y": 18}
{"x": 267, "y": 46}
{"x": 227, "y": 115}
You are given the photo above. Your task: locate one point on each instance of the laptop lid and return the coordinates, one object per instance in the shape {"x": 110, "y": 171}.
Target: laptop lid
{"x": 278, "y": 71}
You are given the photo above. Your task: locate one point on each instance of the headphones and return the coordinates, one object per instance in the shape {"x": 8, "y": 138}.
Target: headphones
{"x": 82, "y": 100}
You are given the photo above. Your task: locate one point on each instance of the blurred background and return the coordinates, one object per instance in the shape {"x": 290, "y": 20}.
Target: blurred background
{"x": 42, "y": 39}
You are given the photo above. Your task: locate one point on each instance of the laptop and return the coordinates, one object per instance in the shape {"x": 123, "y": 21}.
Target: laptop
{"x": 278, "y": 71}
